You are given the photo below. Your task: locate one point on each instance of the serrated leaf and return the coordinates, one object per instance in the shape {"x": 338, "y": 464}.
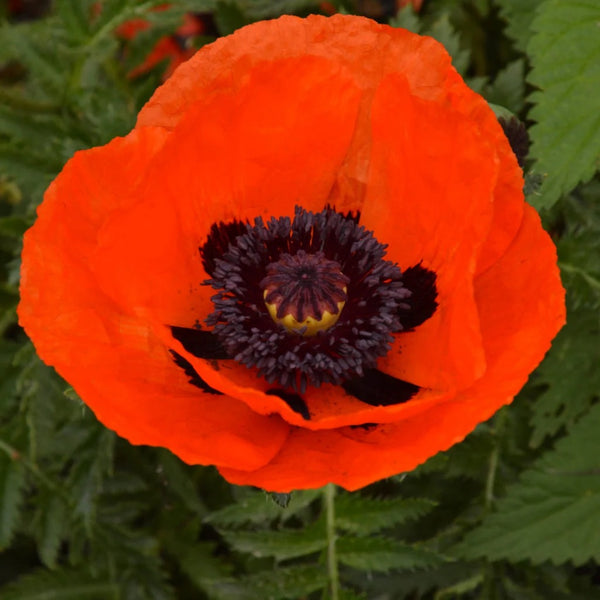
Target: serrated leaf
{"x": 200, "y": 563}
{"x": 179, "y": 479}
{"x": 564, "y": 52}
{"x": 12, "y": 487}
{"x": 29, "y": 43}
{"x": 363, "y": 516}
{"x": 58, "y": 585}
{"x": 53, "y": 529}
{"x": 282, "y": 500}
{"x": 382, "y": 554}
{"x": 257, "y": 507}
{"x": 579, "y": 247}
{"x": 278, "y": 584}
{"x": 508, "y": 89}
{"x": 93, "y": 465}
{"x": 518, "y": 15}
{"x": 407, "y": 18}
{"x": 553, "y": 512}
{"x": 281, "y": 544}
{"x": 571, "y": 373}
{"x": 421, "y": 583}
{"x": 444, "y": 33}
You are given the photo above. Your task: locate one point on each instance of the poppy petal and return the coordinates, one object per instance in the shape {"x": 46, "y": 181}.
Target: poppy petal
{"x": 149, "y": 256}
{"x": 348, "y": 42}
{"x": 110, "y": 356}
{"x": 430, "y": 199}
{"x": 270, "y": 160}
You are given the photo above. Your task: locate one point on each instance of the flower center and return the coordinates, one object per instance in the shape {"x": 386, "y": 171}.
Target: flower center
{"x": 305, "y": 293}
{"x": 309, "y": 299}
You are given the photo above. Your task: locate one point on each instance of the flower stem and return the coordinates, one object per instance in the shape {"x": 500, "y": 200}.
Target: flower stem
{"x": 332, "y": 565}
{"x": 491, "y": 478}
{"x": 499, "y": 424}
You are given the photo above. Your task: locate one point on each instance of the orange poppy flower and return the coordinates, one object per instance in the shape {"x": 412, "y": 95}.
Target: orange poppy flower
{"x": 309, "y": 262}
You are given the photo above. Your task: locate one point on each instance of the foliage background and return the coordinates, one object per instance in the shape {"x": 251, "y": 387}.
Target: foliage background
{"x": 511, "y": 513}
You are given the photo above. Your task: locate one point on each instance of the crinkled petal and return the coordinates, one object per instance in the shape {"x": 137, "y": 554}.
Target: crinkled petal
{"x": 430, "y": 198}
{"x": 232, "y": 156}
{"x": 109, "y": 355}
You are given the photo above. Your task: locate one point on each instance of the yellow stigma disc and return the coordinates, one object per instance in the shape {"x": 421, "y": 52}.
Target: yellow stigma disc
{"x": 310, "y": 326}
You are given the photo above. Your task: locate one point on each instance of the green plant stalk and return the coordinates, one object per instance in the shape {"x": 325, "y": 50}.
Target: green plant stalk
{"x": 332, "y": 565}
{"x": 488, "y": 573}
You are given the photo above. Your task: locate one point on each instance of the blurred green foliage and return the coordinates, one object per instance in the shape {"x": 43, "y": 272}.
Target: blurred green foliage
{"x": 511, "y": 513}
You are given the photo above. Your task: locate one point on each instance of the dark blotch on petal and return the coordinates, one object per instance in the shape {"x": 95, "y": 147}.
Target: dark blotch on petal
{"x": 294, "y": 401}
{"x": 422, "y": 304}
{"x": 202, "y": 344}
{"x": 195, "y": 379}
{"x": 380, "y": 389}
{"x": 365, "y": 426}
{"x": 518, "y": 138}
{"x": 220, "y": 236}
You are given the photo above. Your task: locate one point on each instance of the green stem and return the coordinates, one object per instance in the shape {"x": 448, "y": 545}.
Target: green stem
{"x": 499, "y": 424}
{"x": 491, "y": 478}
{"x": 332, "y": 565}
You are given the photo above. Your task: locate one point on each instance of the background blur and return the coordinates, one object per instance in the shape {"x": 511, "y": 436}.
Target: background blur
{"x": 511, "y": 513}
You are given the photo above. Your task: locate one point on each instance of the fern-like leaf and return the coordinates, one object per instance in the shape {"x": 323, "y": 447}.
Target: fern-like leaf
{"x": 383, "y": 554}
{"x": 257, "y": 507}
{"x": 58, "y": 585}
{"x": 363, "y": 516}
{"x": 278, "y": 584}
{"x": 281, "y": 545}
{"x": 12, "y": 487}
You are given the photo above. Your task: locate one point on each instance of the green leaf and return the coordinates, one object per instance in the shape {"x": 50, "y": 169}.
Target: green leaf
{"x": 382, "y": 554}
{"x": 199, "y": 561}
{"x": 444, "y": 33}
{"x": 278, "y": 584}
{"x": 178, "y": 478}
{"x": 518, "y": 15}
{"x": 564, "y": 52}
{"x": 282, "y": 544}
{"x": 263, "y": 9}
{"x": 12, "y": 488}
{"x": 14, "y": 226}
{"x": 579, "y": 246}
{"x": 257, "y": 507}
{"x": 571, "y": 373}
{"x": 363, "y": 516}
{"x": 282, "y": 500}
{"x": 551, "y": 514}
{"x": 94, "y": 464}
{"x": 508, "y": 89}
{"x": 58, "y": 585}
{"x": 53, "y": 529}
{"x": 407, "y": 18}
